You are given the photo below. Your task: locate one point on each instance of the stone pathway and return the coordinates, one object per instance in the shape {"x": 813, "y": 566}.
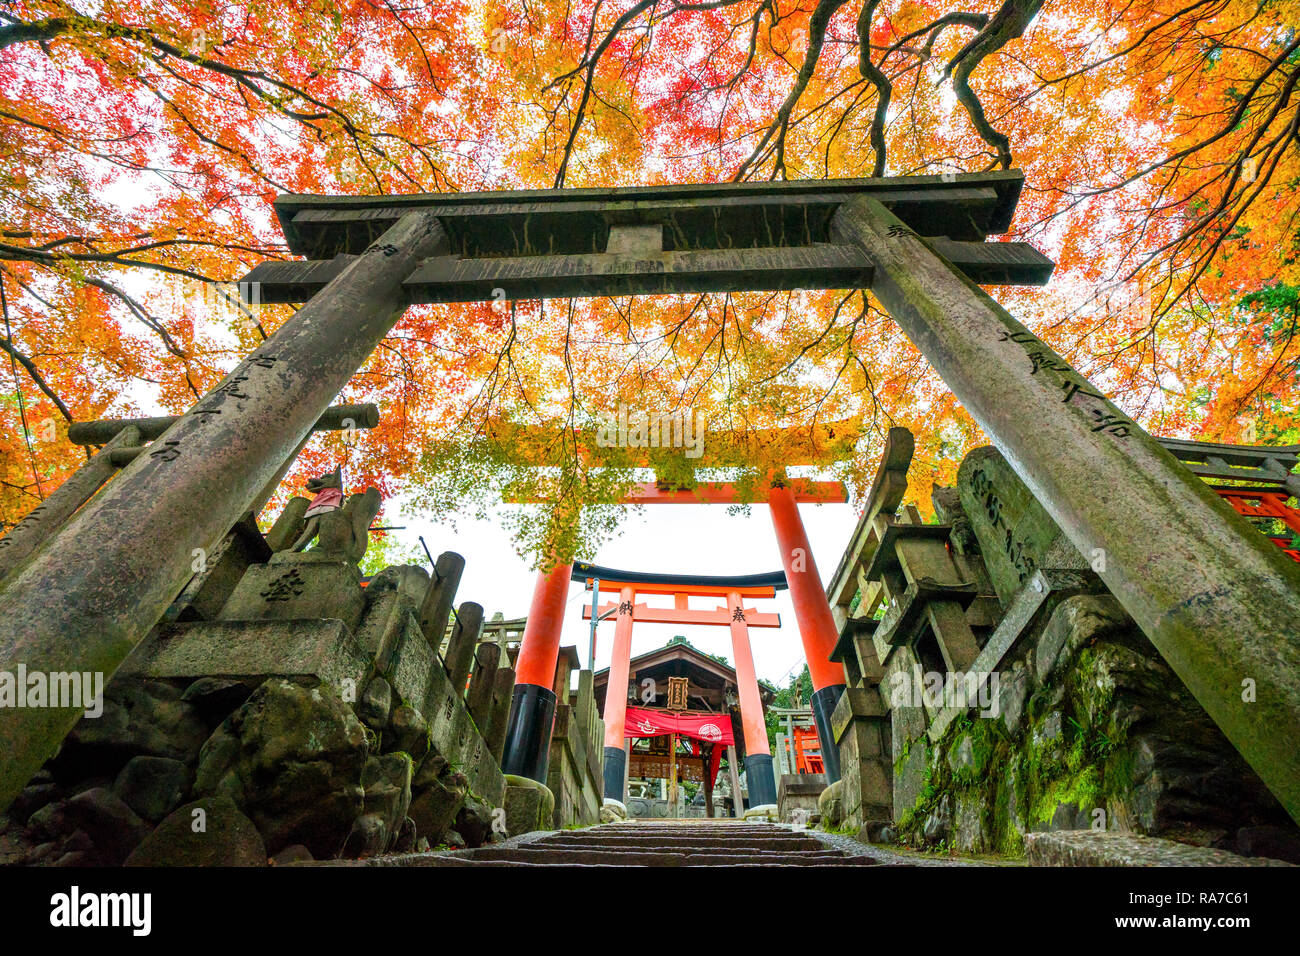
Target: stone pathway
{"x": 666, "y": 843}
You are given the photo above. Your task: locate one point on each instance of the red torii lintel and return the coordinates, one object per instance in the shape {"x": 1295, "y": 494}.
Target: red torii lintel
{"x": 717, "y": 617}
{"x": 711, "y": 493}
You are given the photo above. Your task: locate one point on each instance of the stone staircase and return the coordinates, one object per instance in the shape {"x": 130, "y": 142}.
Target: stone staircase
{"x": 666, "y": 843}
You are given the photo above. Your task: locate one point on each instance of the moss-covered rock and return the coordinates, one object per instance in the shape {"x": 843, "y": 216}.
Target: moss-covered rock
{"x": 1106, "y": 738}
{"x": 290, "y": 758}
{"x": 830, "y": 805}
{"x": 207, "y": 832}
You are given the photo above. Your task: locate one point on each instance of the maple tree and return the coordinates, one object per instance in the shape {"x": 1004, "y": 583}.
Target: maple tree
{"x": 142, "y": 147}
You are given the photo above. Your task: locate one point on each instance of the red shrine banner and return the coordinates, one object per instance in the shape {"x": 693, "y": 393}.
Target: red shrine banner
{"x": 715, "y": 760}
{"x": 710, "y": 728}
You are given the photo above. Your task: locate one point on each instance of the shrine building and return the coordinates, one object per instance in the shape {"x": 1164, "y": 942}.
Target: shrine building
{"x": 683, "y": 719}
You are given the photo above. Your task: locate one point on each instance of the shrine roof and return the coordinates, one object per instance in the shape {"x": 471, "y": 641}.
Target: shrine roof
{"x": 583, "y": 571}
{"x": 678, "y": 660}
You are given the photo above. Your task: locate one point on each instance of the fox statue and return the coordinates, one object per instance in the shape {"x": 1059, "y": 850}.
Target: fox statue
{"x": 338, "y": 523}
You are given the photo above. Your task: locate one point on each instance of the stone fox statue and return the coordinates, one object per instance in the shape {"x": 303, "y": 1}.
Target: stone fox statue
{"x": 339, "y": 523}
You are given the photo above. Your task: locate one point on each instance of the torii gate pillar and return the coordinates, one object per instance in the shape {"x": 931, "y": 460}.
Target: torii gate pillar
{"x": 85, "y": 600}
{"x": 615, "y": 714}
{"x": 527, "y": 751}
{"x": 1218, "y": 600}
{"x": 816, "y": 625}
{"x": 758, "y": 755}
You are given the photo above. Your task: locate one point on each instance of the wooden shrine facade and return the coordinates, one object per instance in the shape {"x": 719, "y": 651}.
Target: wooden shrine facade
{"x": 712, "y": 692}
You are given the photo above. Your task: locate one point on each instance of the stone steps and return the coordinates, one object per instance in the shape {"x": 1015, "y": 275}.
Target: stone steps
{"x": 660, "y": 858}
{"x": 658, "y": 845}
{"x": 677, "y": 843}
{"x": 465, "y": 861}
{"x": 758, "y": 830}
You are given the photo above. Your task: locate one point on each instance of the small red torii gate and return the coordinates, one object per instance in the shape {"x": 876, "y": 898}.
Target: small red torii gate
{"x": 733, "y": 614}
{"x": 532, "y": 708}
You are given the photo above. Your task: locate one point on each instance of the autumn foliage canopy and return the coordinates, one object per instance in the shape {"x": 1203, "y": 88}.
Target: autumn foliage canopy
{"x": 142, "y": 143}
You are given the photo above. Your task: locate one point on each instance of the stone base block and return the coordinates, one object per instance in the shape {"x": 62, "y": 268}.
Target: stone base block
{"x": 831, "y": 805}
{"x": 866, "y": 772}
{"x": 613, "y": 811}
{"x": 391, "y": 634}
{"x": 298, "y": 586}
{"x": 799, "y": 792}
{"x": 528, "y": 804}
{"x": 252, "y": 651}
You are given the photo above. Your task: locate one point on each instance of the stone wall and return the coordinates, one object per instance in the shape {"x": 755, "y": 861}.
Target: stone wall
{"x": 308, "y": 717}
{"x": 1092, "y": 731}
{"x": 1058, "y": 713}
{"x": 575, "y": 774}
{"x": 1088, "y": 728}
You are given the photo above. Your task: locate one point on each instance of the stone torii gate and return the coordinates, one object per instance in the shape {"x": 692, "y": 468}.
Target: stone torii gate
{"x": 734, "y": 615}
{"x": 1218, "y": 601}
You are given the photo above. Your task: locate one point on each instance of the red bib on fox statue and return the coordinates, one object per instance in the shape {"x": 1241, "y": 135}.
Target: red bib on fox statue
{"x": 328, "y": 499}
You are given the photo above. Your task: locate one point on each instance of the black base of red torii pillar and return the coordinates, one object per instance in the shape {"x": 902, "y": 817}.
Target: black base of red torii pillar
{"x": 532, "y": 707}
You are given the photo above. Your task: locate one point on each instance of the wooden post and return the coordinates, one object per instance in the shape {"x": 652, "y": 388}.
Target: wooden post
{"x": 1218, "y": 600}
{"x": 487, "y": 657}
{"x": 706, "y": 758}
{"x": 733, "y": 762}
{"x": 86, "y": 600}
{"x": 462, "y": 643}
{"x": 672, "y": 773}
{"x": 440, "y": 598}
{"x": 503, "y": 688}
{"x": 595, "y": 620}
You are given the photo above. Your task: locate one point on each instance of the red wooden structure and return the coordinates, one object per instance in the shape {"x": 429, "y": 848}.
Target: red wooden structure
{"x": 733, "y": 614}
{"x": 533, "y": 706}
{"x": 1265, "y": 503}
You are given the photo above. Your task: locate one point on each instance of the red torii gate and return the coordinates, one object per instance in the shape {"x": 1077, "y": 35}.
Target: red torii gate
{"x": 758, "y": 756}
{"x": 532, "y": 708}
